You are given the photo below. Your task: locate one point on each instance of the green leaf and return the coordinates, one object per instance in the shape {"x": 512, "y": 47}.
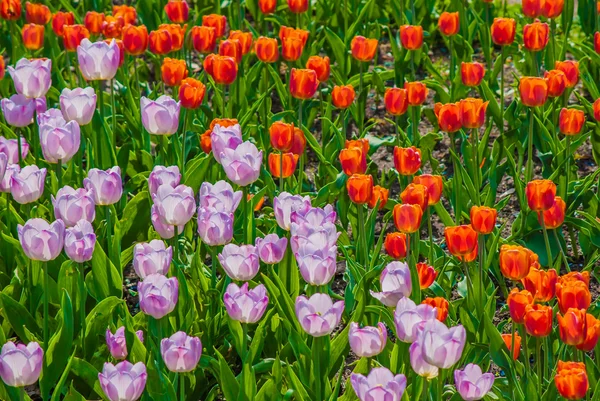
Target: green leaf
{"x": 136, "y": 218}
{"x": 104, "y": 280}
{"x": 97, "y": 322}
{"x": 19, "y": 316}
{"x": 89, "y": 375}
{"x": 227, "y": 382}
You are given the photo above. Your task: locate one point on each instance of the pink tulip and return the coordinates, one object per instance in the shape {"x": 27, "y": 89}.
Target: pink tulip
{"x": 271, "y": 248}
{"x": 285, "y": 204}
{"x": 158, "y": 295}
{"x": 40, "y": 240}
{"x": 160, "y": 116}
{"x": 379, "y": 385}
{"x": 80, "y": 241}
{"x": 5, "y": 184}
{"x": 32, "y": 78}
{"x": 166, "y": 231}
{"x": 410, "y": 319}
{"x": 21, "y": 365}
{"x": 175, "y": 206}
{"x": 222, "y": 138}
{"x": 442, "y": 346}
{"x": 471, "y": 383}
{"x": 163, "y": 175}
{"x": 78, "y": 104}
{"x": 72, "y": 205}
{"x": 239, "y": 262}
{"x": 152, "y": 258}
{"x": 313, "y": 216}
{"x": 124, "y": 382}
{"x": 219, "y": 196}
{"x": 244, "y": 305}
{"x": 317, "y": 266}
{"x": 116, "y": 343}
{"x": 318, "y": 315}
{"x": 395, "y": 283}
{"x": 10, "y": 147}
{"x": 60, "y": 140}
{"x": 214, "y": 227}
{"x": 419, "y": 365}
{"x": 27, "y": 185}
{"x": 181, "y": 352}
{"x": 367, "y": 341}
{"x": 18, "y": 110}
{"x": 98, "y": 61}
{"x": 105, "y": 185}
{"x": 242, "y": 164}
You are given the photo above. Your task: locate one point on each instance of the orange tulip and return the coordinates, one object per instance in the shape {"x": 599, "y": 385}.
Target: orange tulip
{"x": 596, "y": 107}
{"x": 395, "y": 245}
{"x": 460, "y": 240}
{"x": 532, "y": 8}
{"x": 469, "y": 257}
{"x": 407, "y": 217}
{"x": 571, "y": 326}
{"x": 33, "y": 36}
{"x": 535, "y": 36}
{"x": 380, "y": 194}
{"x": 177, "y": 11}
{"x": 10, "y": 10}
{"x": 343, "y": 96}
{"x": 541, "y": 284}
{"x": 503, "y": 31}
{"x": 353, "y": 161}
{"x": 112, "y": 27}
{"x": 291, "y": 48}
{"x": 448, "y": 116}
{"x": 515, "y": 261}
{"x": 73, "y": 35}
{"x": 135, "y": 39}
{"x": 571, "y": 70}
{"x": 483, "y": 219}
{"x": 60, "y": 19}
{"x": 363, "y": 49}
{"x": 128, "y": 13}
{"x": 2, "y": 67}
{"x": 517, "y": 302}
{"x": 538, "y": 320}
{"x": 177, "y": 34}
{"x": 219, "y": 22}
{"x": 396, "y": 101}
{"x": 427, "y": 275}
{"x": 411, "y": 36}
{"x": 303, "y": 83}
{"x": 362, "y": 143}
{"x": 289, "y": 164}
{"x": 267, "y": 6}
{"x": 449, "y": 23}
{"x": 472, "y": 112}
{"x": 571, "y": 121}
{"x": 37, "y": 13}
{"x": 592, "y": 333}
{"x": 173, "y": 71}
{"x": 557, "y": 82}
{"x": 571, "y": 380}
{"x": 222, "y": 69}
{"x": 266, "y": 49}
{"x": 508, "y": 340}
{"x": 204, "y": 38}
{"x": 597, "y": 42}
{"x": 575, "y": 294}
{"x": 434, "y": 186}
{"x": 321, "y": 66}
{"x": 298, "y": 142}
{"x": 160, "y": 41}
{"x": 472, "y": 73}
{"x": 555, "y": 216}
{"x": 416, "y": 93}
{"x": 415, "y": 194}
{"x": 584, "y": 277}
{"x": 441, "y": 304}
{"x": 245, "y": 39}
{"x": 552, "y": 8}
{"x": 281, "y": 135}
{"x": 540, "y": 195}
{"x": 93, "y": 21}
{"x": 231, "y": 48}
{"x": 407, "y": 161}
{"x": 259, "y": 204}
{"x": 360, "y": 188}
{"x": 298, "y": 6}
{"x": 287, "y": 32}
{"x": 191, "y": 93}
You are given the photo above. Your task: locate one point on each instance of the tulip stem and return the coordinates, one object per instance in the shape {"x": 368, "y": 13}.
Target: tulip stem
{"x": 19, "y": 146}
{"x": 475, "y": 151}
{"x": 562, "y": 252}
{"x": 300, "y": 172}
{"x": 361, "y": 122}
{"x": 412, "y": 66}
{"x": 546, "y": 241}
{"x": 68, "y": 58}
{"x": 455, "y": 181}
{"x": 213, "y": 262}
{"x": 538, "y": 362}
{"x": 114, "y": 109}
{"x": 362, "y": 241}
{"x": 182, "y": 159}
{"x": 452, "y": 67}
{"x": 440, "y": 382}
{"x": 99, "y": 163}
{"x": 317, "y": 348}
{"x": 82, "y": 313}
{"x": 567, "y": 168}
{"x": 46, "y": 304}
{"x": 22, "y": 393}
{"x": 529, "y": 167}
{"x": 175, "y": 244}
{"x": 281, "y": 181}
{"x": 526, "y": 363}
{"x": 59, "y": 173}
{"x": 430, "y": 230}
{"x": 502, "y": 60}
{"x": 181, "y": 387}
{"x": 415, "y": 125}
{"x": 481, "y": 246}
{"x": 108, "y": 237}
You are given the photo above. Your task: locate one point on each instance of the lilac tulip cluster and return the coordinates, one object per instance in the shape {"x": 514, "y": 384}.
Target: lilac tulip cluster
{"x": 395, "y": 284}
{"x": 124, "y": 381}
{"x": 60, "y": 140}
{"x": 245, "y": 305}
{"x": 241, "y": 160}
{"x": 318, "y": 315}
{"x": 152, "y": 258}
{"x": 20, "y": 364}
{"x": 158, "y": 295}
{"x": 379, "y": 385}
{"x": 117, "y": 344}
{"x": 217, "y": 203}
{"x": 160, "y": 116}
{"x": 180, "y": 352}
{"x": 98, "y": 61}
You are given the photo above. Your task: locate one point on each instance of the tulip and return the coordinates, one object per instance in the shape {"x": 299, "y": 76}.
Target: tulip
{"x": 532, "y": 8}
{"x": 241, "y": 263}
{"x": 135, "y": 39}
{"x": 407, "y": 217}
{"x": 242, "y": 164}
{"x": 380, "y": 384}
{"x": 303, "y": 83}
{"x": 427, "y": 275}
{"x": 471, "y": 383}
{"x": 517, "y": 303}
{"x": 353, "y": 161}
{"x": 158, "y": 295}
{"x": 318, "y": 315}
{"x": 219, "y": 196}
{"x": 415, "y": 194}
{"x": 266, "y": 49}
{"x": 222, "y": 69}
{"x": 407, "y": 161}
{"x": 321, "y": 66}
{"x": 215, "y": 21}
{"x": 105, "y": 186}
{"x": 281, "y": 135}
{"x": 60, "y": 19}
{"x": 32, "y": 77}
{"x": 285, "y": 204}
{"x": 508, "y": 340}
{"x": 395, "y": 245}
{"x": 533, "y": 91}
{"x": 160, "y": 116}
{"x": 363, "y": 49}
{"x": 18, "y": 111}
{"x": 160, "y": 41}
{"x": 572, "y": 326}
{"x": 570, "y": 69}
{"x": 98, "y": 60}
{"x": 503, "y": 31}
{"x": 203, "y": 38}
{"x": 78, "y": 104}
{"x": 244, "y": 39}
{"x": 568, "y": 278}
{"x": 555, "y": 216}
{"x": 222, "y": 138}
{"x": 177, "y": 11}
{"x": 442, "y": 346}
{"x": 27, "y": 185}
{"x": 483, "y": 219}
{"x": 60, "y": 140}
{"x": 271, "y": 248}
{"x": 152, "y": 258}
{"x": 287, "y": 32}
{"x": 3, "y": 165}
{"x": 472, "y": 112}
{"x": 93, "y": 21}
{"x": 267, "y": 6}
{"x": 175, "y": 205}
{"x": 116, "y": 343}
{"x": 367, "y": 341}
{"x": 173, "y": 71}
{"x": 410, "y": 318}
{"x": 515, "y": 261}
{"x": 360, "y": 188}
{"x": 317, "y": 266}
{"x": 378, "y": 196}
{"x": 282, "y": 165}
{"x": 419, "y": 365}
{"x": 191, "y": 93}
{"x": 540, "y": 195}
{"x": 20, "y": 364}
{"x": 112, "y": 27}
{"x": 214, "y": 227}
{"x": 441, "y": 306}
{"x": 535, "y": 36}
{"x": 571, "y": 380}
{"x": 343, "y": 96}
{"x": 72, "y": 205}
{"x": 124, "y": 382}
{"x": 538, "y": 320}
{"x": 292, "y": 48}
{"x": 448, "y": 116}
{"x": 37, "y": 13}
{"x": 592, "y": 326}
{"x": 164, "y": 230}
{"x": 597, "y": 42}
{"x": 396, "y": 101}
{"x": 161, "y": 175}
{"x": 541, "y": 284}
{"x": 177, "y": 33}
{"x": 570, "y": 121}
{"x": 231, "y": 48}
{"x": 416, "y": 93}
{"x": 449, "y": 23}
{"x": 461, "y": 240}
{"x": 574, "y": 294}
{"x": 395, "y": 283}
{"x": 181, "y": 352}
{"x": 40, "y": 240}
{"x": 472, "y": 73}
{"x": 557, "y": 82}
{"x": 362, "y": 144}
{"x": 244, "y": 305}
{"x": 33, "y": 36}
{"x": 411, "y": 36}
{"x": 552, "y": 8}
{"x": 298, "y": 6}
{"x": 10, "y": 170}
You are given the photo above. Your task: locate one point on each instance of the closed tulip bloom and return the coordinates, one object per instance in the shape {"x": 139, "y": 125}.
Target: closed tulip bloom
{"x": 303, "y": 83}
{"x": 360, "y": 188}
{"x": 570, "y": 121}
{"x": 135, "y": 39}
{"x": 271, "y": 248}
{"x": 223, "y": 138}
{"x": 285, "y": 204}
{"x": 415, "y": 194}
{"x": 18, "y": 111}
{"x": 448, "y": 116}
{"x": 177, "y": 11}
{"x": 572, "y": 326}
{"x": 538, "y": 320}
{"x": 164, "y": 230}
{"x": 343, "y": 96}
{"x": 20, "y": 364}
{"x": 407, "y": 161}
{"x": 60, "y": 140}
{"x": 517, "y": 302}
{"x": 395, "y": 283}
{"x": 379, "y": 195}
{"x": 483, "y": 219}
{"x": 32, "y": 78}
{"x": 124, "y": 382}
{"x": 461, "y": 240}
{"x": 515, "y": 261}
{"x": 245, "y": 305}
{"x": 472, "y": 112}
{"x": 540, "y": 195}
{"x": 449, "y": 23}
{"x": 318, "y": 315}
{"x": 292, "y": 48}
{"x": 396, "y": 101}
{"x": 503, "y": 31}
{"x": 287, "y": 32}
{"x": 40, "y": 240}
{"x": 597, "y": 42}
{"x": 231, "y": 48}
{"x": 80, "y": 241}
{"x": 434, "y": 185}
{"x": 27, "y": 185}
{"x": 162, "y": 175}
{"x": 204, "y": 38}
{"x": 583, "y": 276}
{"x": 241, "y": 263}
{"x": 472, "y": 73}
{"x": 442, "y": 346}
{"x": 571, "y": 380}
{"x": 98, "y": 60}
{"x": 411, "y": 36}
{"x": 321, "y": 66}
{"x": 407, "y": 217}
{"x": 379, "y": 385}
{"x": 410, "y": 318}
{"x": 219, "y": 196}
{"x": 571, "y": 70}
{"x": 592, "y": 333}
{"x": 363, "y": 49}
{"x": 177, "y": 34}
{"x": 533, "y": 91}
{"x": 128, "y": 13}
{"x": 191, "y": 93}
{"x": 152, "y": 258}
{"x": 72, "y": 205}
{"x": 298, "y": 6}
{"x": 575, "y": 294}
{"x": 180, "y": 352}
{"x": 353, "y": 161}
{"x": 557, "y": 82}
{"x": 160, "y": 41}
{"x": 219, "y": 22}
{"x": 535, "y": 36}
{"x": 362, "y": 144}
{"x": 112, "y": 27}
{"x": 552, "y": 8}
{"x": 173, "y": 71}
{"x": 175, "y": 206}
{"x": 214, "y": 227}
{"x": 471, "y": 383}
{"x": 532, "y": 8}
{"x": 242, "y": 164}
{"x": 541, "y": 284}
{"x": 427, "y": 275}
{"x": 285, "y": 168}
{"x": 418, "y": 364}
{"x": 33, "y": 36}
{"x": 367, "y": 341}
{"x": 441, "y": 306}
{"x": 555, "y": 216}
{"x": 507, "y": 338}
{"x": 317, "y": 266}
{"x": 267, "y": 6}
{"x": 60, "y": 19}
{"x": 116, "y": 343}
{"x": 281, "y": 135}
{"x": 37, "y": 13}
{"x": 416, "y": 93}
{"x": 266, "y": 49}
{"x": 395, "y": 245}
{"x": 93, "y": 21}
{"x": 73, "y": 35}
{"x": 160, "y": 116}
{"x": 158, "y": 295}
{"x": 5, "y": 183}
{"x": 105, "y": 186}
{"x": 222, "y": 69}
{"x": 244, "y": 38}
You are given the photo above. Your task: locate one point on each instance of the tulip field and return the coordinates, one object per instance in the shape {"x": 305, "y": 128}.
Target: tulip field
{"x": 299, "y": 200}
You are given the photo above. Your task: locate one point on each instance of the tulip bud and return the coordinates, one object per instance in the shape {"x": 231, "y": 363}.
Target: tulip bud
{"x": 204, "y": 38}
{"x": 33, "y": 36}
{"x": 448, "y": 116}
{"x": 471, "y": 383}
{"x": 152, "y": 258}
{"x": 177, "y": 11}
{"x": 271, "y": 248}
{"x": 571, "y": 380}
{"x": 21, "y": 365}
{"x": 105, "y": 186}
{"x": 158, "y": 295}
{"x": 483, "y": 219}
{"x": 434, "y": 185}
{"x": 395, "y": 245}
{"x": 380, "y": 383}
{"x": 181, "y": 352}
{"x": 72, "y": 205}
{"x": 396, "y": 101}
{"x": 571, "y": 70}
{"x": 407, "y": 217}
{"x": 298, "y": 6}
{"x": 160, "y": 41}
{"x": 282, "y": 165}
{"x": 533, "y": 91}
{"x": 160, "y": 116}
{"x": 40, "y": 240}
{"x": 363, "y": 49}
{"x": 112, "y": 27}
{"x": 173, "y": 71}
{"x": 98, "y": 60}
{"x": 214, "y": 227}
{"x": 557, "y": 82}
{"x": 93, "y": 21}
{"x": 303, "y": 83}
{"x": 517, "y": 302}
{"x": 407, "y": 161}
{"x": 60, "y": 19}
{"x": 503, "y": 31}
{"x": 368, "y": 341}
{"x": 515, "y": 261}
{"x": 245, "y": 305}
{"x": 37, "y": 13}
{"x": 219, "y": 22}
{"x": 266, "y": 49}
{"x": 416, "y": 93}
{"x": 222, "y": 69}
{"x": 379, "y": 195}
{"x": 411, "y": 36}
{"x": 535, "y": 36}
{"x": 449, "y": 23}
{"x": 32, "y": 78}
{"x": 321, "y": 66}
{"x": 27, "y": 185}
{"x": 242, "y": 164}
{"x": 472, "y": 73}
{"x": 343, "y": 96}
{"x": 540, "y": 195}
{"x": 18, "y": 111}
{"x": 318, "y": 315}
{"x": 124, "y": 381}
{"x": 538, "y": 320}
{"x": 360, "y": 188}
{"x": 427, "y": 275}
{"x": 532, "y": 8}
{"x": 135, "y": 39}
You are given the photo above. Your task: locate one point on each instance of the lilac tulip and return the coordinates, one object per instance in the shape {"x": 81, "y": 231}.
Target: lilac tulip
{"x": 32, "y": 78}
{"x": 27, "y": 185}
{"x": 318, "y": 315}
{"x": 271, "y": 248}
{"x": 314, "y": 216}
{"x": 214, "y": 227}
{"x": 410, "y": 318}
{"x": 367, "y": 341}
{"x": 442, "y": 346}
{"x": 285, "y": 204}
{"x": 40, "y": 240}
{"x": 80, "y": 241}
{"x": 317, "y": 266}
{"x": 78, "y": 104}
{"x": 10, "y": 147}
{"x": 239, "y": 262}
{"x": 175, "y": 206}
{"x": 244, "y": 305}
{"x": 323, "y": 237}
{"x": 5, "y": 184}
{"x": 3, "y": 164}
{"x": 60, "y": 140}
{"x": 51, "y": 117}
{"x": 419, "y": 365}
{"x": 98, "y": 61}
{"x": 21, "y": 365}
{"x": 471, "y": 383}
{"x": 219, "y": 196}
{"x": 160, "y": 116}
{"x": 72, "y": 205}
{"x": 166, "y": 231}
{"x": 152, "y": 258}
{"x": 162, "y": 175}
{"x": 222, "y": 138}
{"x": 395, "y": 283}
{"x": 18, "y": 110}
{"x": 158, "y": 295}
{"x": 124, "y": 382}
{"x": 379, "y": 385}
{"x": 181, "y": 352}
{"x": 242, "y": 164}
{"x": 116, "y": 343}
{"x": 105, "y": 185}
